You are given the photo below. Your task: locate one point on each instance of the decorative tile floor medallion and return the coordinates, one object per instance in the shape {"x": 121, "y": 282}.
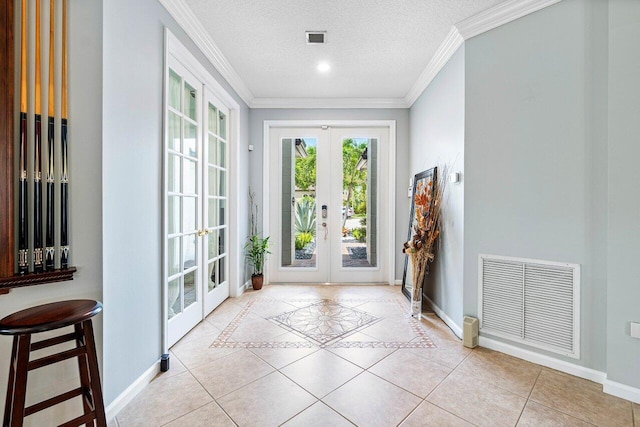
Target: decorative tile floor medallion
{"x": 324, "y": 322}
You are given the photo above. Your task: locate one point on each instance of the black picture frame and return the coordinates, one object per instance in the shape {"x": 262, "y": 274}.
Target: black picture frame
{"x": 424, "y": 176}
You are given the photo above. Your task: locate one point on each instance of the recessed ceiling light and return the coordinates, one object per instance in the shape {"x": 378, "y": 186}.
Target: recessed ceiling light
{"x": 323, "y": 67}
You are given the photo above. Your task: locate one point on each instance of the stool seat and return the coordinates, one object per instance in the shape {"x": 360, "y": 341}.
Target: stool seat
{"x": 48, "y": 317}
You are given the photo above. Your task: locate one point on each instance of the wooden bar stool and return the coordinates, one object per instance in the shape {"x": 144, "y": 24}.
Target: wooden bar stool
{"x": 47, "y": 317}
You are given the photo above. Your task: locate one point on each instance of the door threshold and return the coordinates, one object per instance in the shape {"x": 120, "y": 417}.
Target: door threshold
{"x": 329, "y": 284}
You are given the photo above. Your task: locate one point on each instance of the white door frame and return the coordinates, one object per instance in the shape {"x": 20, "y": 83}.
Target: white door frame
{"x": 390, "y": 252}
{"x": 174, "y": 47}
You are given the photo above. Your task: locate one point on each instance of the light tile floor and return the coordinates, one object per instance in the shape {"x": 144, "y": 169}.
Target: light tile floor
{"x": 350, "y": 355}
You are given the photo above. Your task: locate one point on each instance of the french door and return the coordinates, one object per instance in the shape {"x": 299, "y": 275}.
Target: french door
{"x": 328, "y": 205}
{"x": 196, "y": 200}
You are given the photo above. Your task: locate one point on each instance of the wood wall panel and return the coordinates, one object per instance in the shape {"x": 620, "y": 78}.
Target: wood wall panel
{"x": 6, "y": 138}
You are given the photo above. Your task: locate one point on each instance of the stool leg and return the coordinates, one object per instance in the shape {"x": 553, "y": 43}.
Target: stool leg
{"x": 11, "y": 383}
{"x": 20, "y": 386}
{"x": 94, "y": 374}
{"x": 84, "y": 373}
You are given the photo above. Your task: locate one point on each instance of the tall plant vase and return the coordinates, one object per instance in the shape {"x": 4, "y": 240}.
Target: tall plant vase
{"x": 416, "y": 305}
{"x": 257, "y": 281}
{"x": 419, "y": 268}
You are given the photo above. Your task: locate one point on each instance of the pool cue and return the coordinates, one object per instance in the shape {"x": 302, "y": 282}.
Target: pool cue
{"x": 23, "y": 223}
{"x": 38, "y": 252}
{"x": 50, "y": 236}
{"x": 64, "y": 179}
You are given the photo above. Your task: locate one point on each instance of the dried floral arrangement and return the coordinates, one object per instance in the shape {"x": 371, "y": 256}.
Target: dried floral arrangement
{"x": 427, "y": 200}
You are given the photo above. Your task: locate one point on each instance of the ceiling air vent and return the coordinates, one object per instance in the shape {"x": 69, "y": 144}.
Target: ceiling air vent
{"x": 316, "y": 37}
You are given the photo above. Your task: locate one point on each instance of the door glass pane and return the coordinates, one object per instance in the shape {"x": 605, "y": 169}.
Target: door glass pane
{"x": 189, "y": 101}
{"x": 213, "y": 149}
{"x": 190, "y": 135}
{"x": 223, "y": 125}
{"x": 221, "y": 270}
{"x": 174, "y": 255}
{"x": 213, "y": 174}
{"x": 174, "y": 214}
{"x": 189, "y": 251}
{"x": 174, "y": 131}
{"x": 211, "y": 277}
{"x": 298, "y": 203}
{"x": 222, "y": 183}
{"x": 222, "y": 249}
{"x": 174, "y": 173}
{"x": 359, "y": 202}
{"x": 190, "y": 215}
{"x": 213, "y": 212}
{"x": 222, "y": 154}
{"x": 190, "y": 292}
{"x": 213, "y": 244}
{"x": 222, "y": 205}
{"x": 213, "y": 119}
{"x": 189, "y": 181}
{"x": 175, "y": 82}
{"x": 174, "y": 297}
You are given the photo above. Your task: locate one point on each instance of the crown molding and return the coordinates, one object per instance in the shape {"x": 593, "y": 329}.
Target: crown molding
{"x": 500, "y": 14}
{"x": 190, "y": 24}
{"x": 489, "y": 19}
{"x": 446, "y": 50}
{"x": 482, "y": 22}
{"x": 329, "y": 103}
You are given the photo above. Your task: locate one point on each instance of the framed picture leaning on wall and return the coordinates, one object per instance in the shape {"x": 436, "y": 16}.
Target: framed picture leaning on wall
{"x": 424, "y": 177}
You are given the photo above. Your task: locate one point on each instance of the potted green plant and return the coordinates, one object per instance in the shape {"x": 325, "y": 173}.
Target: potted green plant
{"x": 256, "y": 248}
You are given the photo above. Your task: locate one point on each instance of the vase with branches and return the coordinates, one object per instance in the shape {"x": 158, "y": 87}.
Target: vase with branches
{"x": 420, "y": 249}
{"x": 257, "y": 247}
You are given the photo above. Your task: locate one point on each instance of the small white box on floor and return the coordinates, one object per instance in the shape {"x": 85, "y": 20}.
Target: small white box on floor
{"x": 470, "y": 332}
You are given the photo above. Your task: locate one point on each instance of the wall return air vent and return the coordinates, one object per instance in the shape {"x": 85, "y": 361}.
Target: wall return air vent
{"x": 316, "y": 37}
{"x": 532, "y": 302}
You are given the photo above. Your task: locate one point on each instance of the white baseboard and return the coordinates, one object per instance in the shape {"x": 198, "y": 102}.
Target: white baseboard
{"x": 397, "y": 282}
{"x": 247, "y": 286}
{"x": 446, "y": 319}
{"x": 132, "y": 391}
{"x": 544, "y": 360}
{"x": 621, "y": 390}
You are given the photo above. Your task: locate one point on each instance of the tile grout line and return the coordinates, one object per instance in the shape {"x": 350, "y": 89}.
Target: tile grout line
{"x": 410, "y": 412}
{"x": 443, "y": 380}
{"x": 207, "y": 391}
{"x": 557, "y": 409}
{"x": 334, "y": 409}
{"x": 298, "y": 413}
{"x": 395, "y": 385}
{"x": 529, "y": 396}
{"x": 217, "y": 403}
{"x": 339, "y": 413}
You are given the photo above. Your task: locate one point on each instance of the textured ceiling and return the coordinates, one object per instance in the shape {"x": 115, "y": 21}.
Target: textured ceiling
{"x": 376, "y": 48}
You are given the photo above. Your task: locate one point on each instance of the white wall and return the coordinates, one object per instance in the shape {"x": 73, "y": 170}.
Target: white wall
{"x": 85, "y": 189}
{"x": 436, "y": 122}
{"x": 623, "y": 288}
{"x": 401, "y": 116}
{"x": 535, "y": 181}
{"x": 132, "y": 176}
